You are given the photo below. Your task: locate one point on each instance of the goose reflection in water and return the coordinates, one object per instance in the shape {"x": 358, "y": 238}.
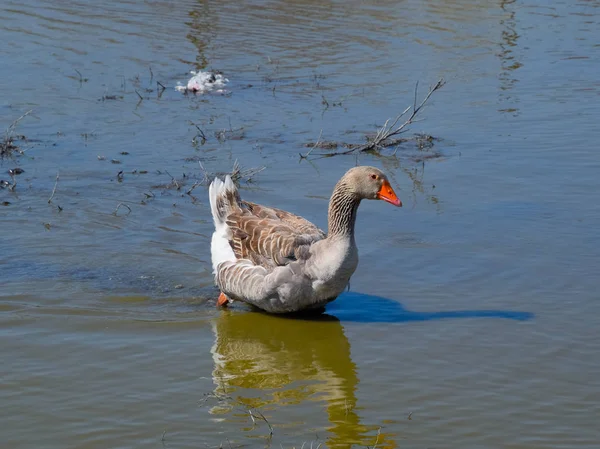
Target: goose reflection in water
{"x": 291, "y": 361}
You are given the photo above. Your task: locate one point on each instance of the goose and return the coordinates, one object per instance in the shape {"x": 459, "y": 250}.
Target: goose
{"x": 280, "y": 262}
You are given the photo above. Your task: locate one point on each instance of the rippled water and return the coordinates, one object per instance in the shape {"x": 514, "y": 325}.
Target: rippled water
{"x": 471, "y": 321}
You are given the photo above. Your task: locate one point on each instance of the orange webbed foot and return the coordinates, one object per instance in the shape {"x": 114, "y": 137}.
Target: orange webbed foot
{"x": 222, "y": 301}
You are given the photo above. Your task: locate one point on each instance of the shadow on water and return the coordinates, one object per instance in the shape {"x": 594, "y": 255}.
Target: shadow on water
{"x": 363, "y": 308}
{"x": 289, "y": 362}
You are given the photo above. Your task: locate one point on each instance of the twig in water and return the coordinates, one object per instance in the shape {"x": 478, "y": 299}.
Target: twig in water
{"x": 304, "y": 156}
{"x": 200, "y": 133}
{"x": 191, "y": 189}
{"x": 265, "y": 420}
{"x": 81, "y": 78}
{"x": 151, "y": 74}
{"x": 206, "y": 178}
{"x": 119, "y": 206}
{"x": 13, "y": 186}
{"x": 173, "y": 180}
{"x": 239, "y": 173}
{"x": 54, "y": 189}
{"x": 138, "y": 94}
{"x": 158, "y": 83}
{"x": 387, "y": 131}
{"x": 376, "y": 439}
{"x": 253, "y": 413}
{"x": 7, "y": 145}
{"x": 13, "y": 125}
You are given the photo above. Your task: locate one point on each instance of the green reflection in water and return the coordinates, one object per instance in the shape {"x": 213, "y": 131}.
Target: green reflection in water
{"x": 290, "y": 362}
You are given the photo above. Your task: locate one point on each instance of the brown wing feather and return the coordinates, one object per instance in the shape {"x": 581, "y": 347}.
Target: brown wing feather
{"x": 299, "y": 224}
{"x": 269, "y": 236}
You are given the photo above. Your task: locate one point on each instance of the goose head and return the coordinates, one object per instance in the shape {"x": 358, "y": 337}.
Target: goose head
{"x": 371, "y": 183}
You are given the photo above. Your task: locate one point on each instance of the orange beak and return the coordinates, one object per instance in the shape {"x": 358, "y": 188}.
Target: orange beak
{"x": 386, "y": 193}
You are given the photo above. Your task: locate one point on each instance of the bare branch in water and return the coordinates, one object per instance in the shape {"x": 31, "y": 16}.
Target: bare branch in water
{"x": 385, "y": 134}
{"x": 237, "y": 174}
{"x": 173, "y": 181}
{"x": 7, "y": 145}
{"x": 119, "y": 206}
{"x": 13, "y": 186}
{"x": 265, "y": 420}
{"x": 246, "y": 174}
{"x": 304, "y": 156}
{"x": 237, "y": 404}
{"x": 191, "y": 189}
{"x": 13, "y": 125}
{"x": 54, "y": 189}
{"x": 199, "y": 133}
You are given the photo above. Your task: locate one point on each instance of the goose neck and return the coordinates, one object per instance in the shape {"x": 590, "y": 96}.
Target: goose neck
{"x": 342, "y": 211}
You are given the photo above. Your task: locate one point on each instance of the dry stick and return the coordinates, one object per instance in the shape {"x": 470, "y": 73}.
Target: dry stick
{"x": 387, "y": 131}
{"x": 206, "y": 177}
{"x": 119, "y": 206}
{"x": 200, "y": 132}
{"x": 191, "y": 189}
{"x": 14, "y": 184}
{"x": 238, "y": 173}
{"x": 377, "y": 439}
{"x": 252, "y": 417}
{"x": 265, "y": 420}
{"x": 173, "y": 180}
{"x": 12, "y": 126}
{"x": 81, "y": 80}
{"x": 304, "y": 156}
{"x": 54, "y": 189}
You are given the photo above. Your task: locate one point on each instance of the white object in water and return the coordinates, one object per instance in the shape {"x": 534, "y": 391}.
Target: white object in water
{"x": 203, "y": 82}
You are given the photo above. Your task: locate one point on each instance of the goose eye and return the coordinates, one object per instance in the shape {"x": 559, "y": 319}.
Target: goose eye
{"x": 373, "y": 176}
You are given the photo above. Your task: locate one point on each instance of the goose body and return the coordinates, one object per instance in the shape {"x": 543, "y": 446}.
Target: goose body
{"x": 280, "y": 262}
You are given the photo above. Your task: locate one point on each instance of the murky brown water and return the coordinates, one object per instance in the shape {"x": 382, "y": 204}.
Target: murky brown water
{"x": 472, "y": 319}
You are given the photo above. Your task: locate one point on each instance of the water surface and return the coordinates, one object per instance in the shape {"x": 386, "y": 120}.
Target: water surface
{"x": 471, "y": 320}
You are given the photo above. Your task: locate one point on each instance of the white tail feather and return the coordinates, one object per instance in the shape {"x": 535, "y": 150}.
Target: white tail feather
{"x": 220, "y": 249}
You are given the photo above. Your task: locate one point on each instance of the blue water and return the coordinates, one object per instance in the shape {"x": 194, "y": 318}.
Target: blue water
{"x": 473, "y": 310}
